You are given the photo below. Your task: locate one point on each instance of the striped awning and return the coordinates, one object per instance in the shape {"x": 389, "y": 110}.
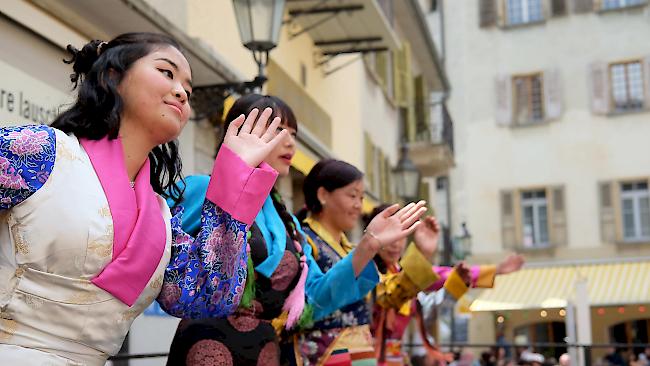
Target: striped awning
{"x": 551, "y": 287}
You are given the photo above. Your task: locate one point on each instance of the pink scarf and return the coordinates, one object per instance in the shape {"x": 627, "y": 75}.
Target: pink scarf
{"x": 139, "y": 230}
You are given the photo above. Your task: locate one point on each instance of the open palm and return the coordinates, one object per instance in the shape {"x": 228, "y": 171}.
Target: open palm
{"x": 393, "y": 223}
{"x": 427, "y": 236}
{"x": 255, "y": 140}
{"x": 511, "y": 263}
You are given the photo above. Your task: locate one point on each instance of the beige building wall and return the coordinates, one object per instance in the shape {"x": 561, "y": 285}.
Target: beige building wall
{"x": 578, "y": 150}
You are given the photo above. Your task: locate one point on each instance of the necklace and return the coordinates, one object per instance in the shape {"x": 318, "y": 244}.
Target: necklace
{"x": 132, "y": 184}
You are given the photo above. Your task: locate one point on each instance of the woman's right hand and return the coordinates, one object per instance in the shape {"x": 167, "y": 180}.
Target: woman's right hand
{"x": 255, "y": 140}
{"x": 394, "y": 223}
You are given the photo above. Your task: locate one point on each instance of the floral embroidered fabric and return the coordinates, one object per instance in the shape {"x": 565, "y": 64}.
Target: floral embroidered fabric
{"x": 26, "y": 162}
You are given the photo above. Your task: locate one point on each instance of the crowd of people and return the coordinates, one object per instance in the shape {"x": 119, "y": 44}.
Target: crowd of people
{"x": 98, "y": 222}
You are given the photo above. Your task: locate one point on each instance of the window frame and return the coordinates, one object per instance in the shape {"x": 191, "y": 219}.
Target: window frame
{"x": 525, "y": 15}
{"x": 612, "y": 102}
{"x": 622, "y": 4}
{"x": 535, "y": 203}
{"x": 635, "y": 196}
{"x": 529, "y": 94}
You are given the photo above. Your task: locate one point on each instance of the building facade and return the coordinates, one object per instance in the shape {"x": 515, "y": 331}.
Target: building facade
{"x": 551, "y": 101}
{"x": 359, "y": 82}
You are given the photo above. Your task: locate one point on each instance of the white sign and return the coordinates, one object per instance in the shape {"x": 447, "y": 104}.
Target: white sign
{"x": 26, "y": 100}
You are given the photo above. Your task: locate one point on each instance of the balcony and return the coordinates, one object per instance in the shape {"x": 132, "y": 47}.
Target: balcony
{"x": 432, "y": 151}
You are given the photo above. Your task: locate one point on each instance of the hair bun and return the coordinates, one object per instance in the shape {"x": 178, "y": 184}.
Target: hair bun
{"x": 83, "y": 60}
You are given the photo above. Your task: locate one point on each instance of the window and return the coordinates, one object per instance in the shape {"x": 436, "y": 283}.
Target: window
{"x": 534, "y": 211}
{"x": 627, "y": 85}
{"x": 524, "y": 11}
{"x": 635, "y": 210}
{"x": 617, "y": 4}
{"x": 547, "y": 332}
{"x": 528, "y": 99}
{"x": 533, "y": 218}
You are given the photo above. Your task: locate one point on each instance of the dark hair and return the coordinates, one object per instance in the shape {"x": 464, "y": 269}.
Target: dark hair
{"x": 99, "y": 67}
{"x": 245, "y": 104}
{"x": 330, "y": 174}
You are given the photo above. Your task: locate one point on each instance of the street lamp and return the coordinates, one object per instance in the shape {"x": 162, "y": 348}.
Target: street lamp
{"x": 463, "y": 243}
{"x": 259, "y": 23}
{"x": 406, "y": 176}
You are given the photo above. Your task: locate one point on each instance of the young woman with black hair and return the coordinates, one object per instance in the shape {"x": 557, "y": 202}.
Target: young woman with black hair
{"x": 87, "y": 240}
{"x": 334, "y": 192}
{"x": 285, "y": 288}
{"x": 394, "y": 304}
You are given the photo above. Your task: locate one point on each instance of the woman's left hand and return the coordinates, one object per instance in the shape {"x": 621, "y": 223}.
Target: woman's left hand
{"x": 255, "y": 141}
{"x": 393, "y": 223}
{"x": 512, "y": 263}
{"x": 427, "y": 236}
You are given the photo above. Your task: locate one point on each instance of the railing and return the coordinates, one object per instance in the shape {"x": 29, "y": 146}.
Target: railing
{"x": 440, "y": 129}
{"x": 513, "y": 351}
{"x": 547, "y": 349}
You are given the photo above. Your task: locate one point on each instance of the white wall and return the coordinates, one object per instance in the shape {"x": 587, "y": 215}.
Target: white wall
{"x": 578, "y": 150}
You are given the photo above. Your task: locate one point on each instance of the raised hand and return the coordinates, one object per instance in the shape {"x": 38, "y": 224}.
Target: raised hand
{"x": 255, "y": 141}
{"x": 393, "y": 223}
{"x": 427, "y": 236}
{"x": 512, "y": 263}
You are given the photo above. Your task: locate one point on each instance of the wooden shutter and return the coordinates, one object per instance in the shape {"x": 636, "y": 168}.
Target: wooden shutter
{"x": 607, "y": 212}
{"x": 370, "y": 161}
{"x": 583, "y": 6}
{"x": 421, "y": 104}
{"x": 509, "y": 220}
{"x": 402, "y": 75}
{"x": 599, "y": 88}
{"x": 646, "y": 82}
{"x": 487, "y": 11}
{"x": 552, "y": 94}
{"x": 381, "y": 64}
{"x": 558, "y": 7}
{"x": 557, "y": 215}
{"x": 503, "y": 94}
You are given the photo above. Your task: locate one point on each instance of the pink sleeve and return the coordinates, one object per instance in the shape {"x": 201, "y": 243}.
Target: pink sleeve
{"x": 237, "y": 188}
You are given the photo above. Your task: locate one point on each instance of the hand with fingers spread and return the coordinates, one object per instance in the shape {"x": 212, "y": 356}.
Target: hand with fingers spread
{"x": 394, "y": 223}
{"x": 255, "y": 140}
{"x": 512, "y": 263}
{"x": 427, "y": 236}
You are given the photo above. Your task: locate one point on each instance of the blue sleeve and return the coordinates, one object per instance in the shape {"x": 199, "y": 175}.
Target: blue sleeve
{"x": 207, "y": 271}
{"x": 339, "y": 287}
{"x": 27, "y": 155}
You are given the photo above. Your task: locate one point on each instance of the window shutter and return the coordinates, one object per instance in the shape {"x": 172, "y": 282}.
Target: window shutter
{"x": 421, "y": 101}
{"x": 508, "y": 220}
{"x": 402, "y": 75}
{"x": 503, "y": 94}
{"x": 558, "y": 8}
{"x": 583, "y": 6}
{"x": 646, "y": 81}
{"x": 607, "y": 212}
{"x": 381, "y": 63}
{"x": 557, "y": 213}
{"x": 552, "y": 94}
{"x": 487, "y": 11}
{"x": 599, "y": 87}
{"x": 370, "y": 161}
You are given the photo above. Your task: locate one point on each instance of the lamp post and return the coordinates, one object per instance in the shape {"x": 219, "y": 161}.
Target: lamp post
{"x": 259, "y": 23}
{"x": 406, "y": 176}
{"x": 463, "y": 243}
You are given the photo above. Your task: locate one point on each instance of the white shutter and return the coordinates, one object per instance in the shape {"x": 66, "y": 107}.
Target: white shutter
{"x": 503, "y": 94}
{"x": 557, "y": 215}
{"x": 646, "y": 82}
{"x": 552, "y": 94}
{"x": 599, "y": 88}
{"x": 508, "y": 220}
